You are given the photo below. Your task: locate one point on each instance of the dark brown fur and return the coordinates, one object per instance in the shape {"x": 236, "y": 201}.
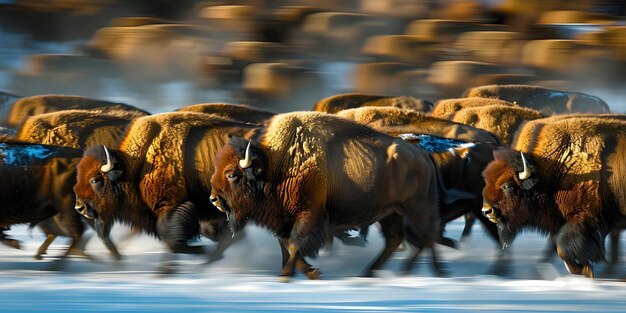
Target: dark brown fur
{"x": 38, "y": 185}
{"x": 575, "y": 192}
{"x": 290, "y": 190}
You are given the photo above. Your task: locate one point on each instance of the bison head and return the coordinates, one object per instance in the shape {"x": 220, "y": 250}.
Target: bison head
{"x": 509, "y": 184}
{"x": 239, "y": 180}
{"x": 97, "y": 187}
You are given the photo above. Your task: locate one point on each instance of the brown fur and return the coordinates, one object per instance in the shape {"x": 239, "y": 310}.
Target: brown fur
{"x": 446, "y": 108}
{"x": 502, "y": 121}
{"x": 575, "y": 192}
{"x": 34, "y": 105}
{"x": 160, "y": 180}
{"x": 547, "y": 101}
{"x": 396, "y": 121}
{"x": 237, "y": 112}
{"x": 336, "y": 103}
{"x": 36, "y": 188}
{"x": 76, "y": 128}
{"x": 313, "y": 173}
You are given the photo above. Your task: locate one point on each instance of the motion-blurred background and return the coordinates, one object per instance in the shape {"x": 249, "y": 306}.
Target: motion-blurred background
{"x": 285, "y": 55}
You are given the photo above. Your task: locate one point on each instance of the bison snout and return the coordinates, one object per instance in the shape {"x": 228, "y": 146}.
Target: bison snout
{"x": 215, "y": 200}
{"x": 489, "y": 213}
{"x": 83, "y": 210}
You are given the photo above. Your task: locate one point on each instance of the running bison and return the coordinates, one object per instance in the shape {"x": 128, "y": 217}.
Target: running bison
{"x": 340, "y": 102}
{"x": 547, "y": 101}
{"x": 37, "y": 185}
{"x": 566, "y": 179}
{"x": 157, "y": 179}
{"x": 77, "y": 129}
{"x": 308, "y": 175}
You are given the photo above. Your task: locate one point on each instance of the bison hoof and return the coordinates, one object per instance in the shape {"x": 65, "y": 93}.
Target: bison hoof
{"x": 314, "y": 274}
{"x": 284, "y": 279}
{"x": 38, "y": 257}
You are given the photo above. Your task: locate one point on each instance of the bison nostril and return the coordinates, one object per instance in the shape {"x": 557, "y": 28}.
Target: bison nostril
{"x": 213, "y": 199}
{"x": 487, "y": 211}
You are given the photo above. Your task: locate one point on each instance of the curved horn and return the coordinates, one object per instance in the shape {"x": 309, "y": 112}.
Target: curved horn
{"x": 526, "y": 173}
{"x": 109, "y": 165}
{"x": 246, "y": 162}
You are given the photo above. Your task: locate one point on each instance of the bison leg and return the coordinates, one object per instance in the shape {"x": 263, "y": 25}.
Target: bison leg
{"x": 418, "y": 245}
{"x": 614, "y": 257}
{"x": 301, "y": 264}
{"x": 391, "y": 228}
{"x": 106, "y": 240}
{"x": 177, "y": 225}
{"x": 222, "y": 244}
{"x": 307, "y": 236}
{"x": 420, "y": 229}
{"x": 7, "y": 240}
{"x": 577, "y": 269}
{"x": 44, "y": 246}
{"x": 470, "y": 219}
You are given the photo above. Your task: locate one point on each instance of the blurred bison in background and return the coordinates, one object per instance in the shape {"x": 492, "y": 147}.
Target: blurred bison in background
{"x": 547, "y": 101}
{"x": 446, "y": 108}
{"x": 567, "y": 182}
{"x": 500, "y": 120}
{"x": 337, "y": 103}
{"x": 309, "y": 174}
{"x": 237, "y": 112}
{"x": 396, "y": 121}
{"x": 157, "y": 180}
{"x": 34, "y": 105}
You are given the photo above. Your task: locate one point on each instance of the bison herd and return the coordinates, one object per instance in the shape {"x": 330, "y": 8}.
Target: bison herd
{"x": 512, "y": 157}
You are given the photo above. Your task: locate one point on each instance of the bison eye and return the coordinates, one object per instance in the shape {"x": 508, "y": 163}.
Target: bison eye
{"x": 231, "y": 177}
{"x": 506, "y": 187}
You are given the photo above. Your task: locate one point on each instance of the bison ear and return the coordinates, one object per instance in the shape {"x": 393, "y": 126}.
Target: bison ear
{"x": 529, "y": 183}
{"x": 114, "y": 175}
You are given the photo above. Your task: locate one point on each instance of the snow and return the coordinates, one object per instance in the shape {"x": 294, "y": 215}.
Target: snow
{"x": 246, "y": 280}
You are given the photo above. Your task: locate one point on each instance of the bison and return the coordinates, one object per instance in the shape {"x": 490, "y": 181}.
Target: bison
{"x": 461, "y": 164}
{"x": 34, "y": 105}
{"x": 76, "y": 129}
{"x": 500, "y": 120}
{"x": 565, "y": 179}
{"x": 396, "y": 121}
{"x": 238, "y": 112}
{"x": 308, "y": 174}
{"x": 157, "y": 179}
{"x": 37, "y": 185}
{"x": 446, "y": 108}
{"x": 547, "y": 101}
{"x": 336, "y": 103}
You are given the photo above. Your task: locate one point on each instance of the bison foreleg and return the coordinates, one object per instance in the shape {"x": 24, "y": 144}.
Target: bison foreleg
{"x": 579, "y": 245}
{"x": 391, "y": 228}
{"x": 176, "y": 226}
{"x": 44, "y": 246}
{"x": 302, "y": 265}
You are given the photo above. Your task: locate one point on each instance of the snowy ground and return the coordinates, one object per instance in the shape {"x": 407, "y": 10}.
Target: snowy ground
{"x": 246, "y": 280}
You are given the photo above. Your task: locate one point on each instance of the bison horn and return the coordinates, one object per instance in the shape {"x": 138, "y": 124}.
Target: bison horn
{"x": 246, "y": 162}
{"x": 526, "y": 173}
{"x": 109, "y": 165}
